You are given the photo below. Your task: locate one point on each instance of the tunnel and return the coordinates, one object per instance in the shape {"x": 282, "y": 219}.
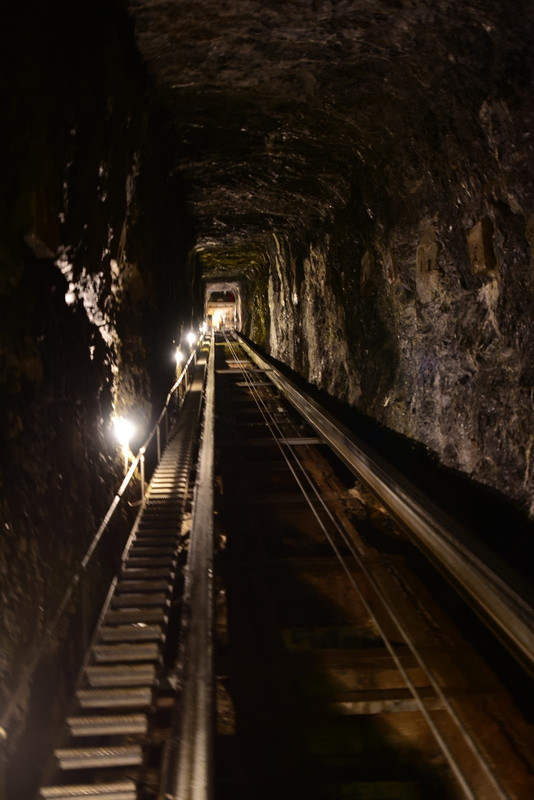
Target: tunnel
{"x": 325, "y": 207}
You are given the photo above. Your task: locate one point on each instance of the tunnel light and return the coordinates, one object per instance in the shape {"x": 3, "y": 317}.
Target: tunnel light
{"x": 179, "y": 356}
{"x": 124, "y": 430}
{"x": 204, "y": 327}
{"x": 191, "y": 338}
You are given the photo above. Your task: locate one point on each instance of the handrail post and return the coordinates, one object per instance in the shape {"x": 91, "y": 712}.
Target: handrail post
{"x": 166, "y": 427}
{"x": 158, "y": 438}
{"x": 3, "y": 762}
{"x": 142, "y": 469}
{"x": 84, "y": 610}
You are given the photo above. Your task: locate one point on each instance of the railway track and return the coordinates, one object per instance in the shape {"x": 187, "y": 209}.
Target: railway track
{"x": 279, "y": 642}
{"x": 340, "y": 675}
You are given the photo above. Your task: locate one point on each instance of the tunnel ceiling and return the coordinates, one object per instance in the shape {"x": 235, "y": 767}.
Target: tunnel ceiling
{"x": 282, "y": 108}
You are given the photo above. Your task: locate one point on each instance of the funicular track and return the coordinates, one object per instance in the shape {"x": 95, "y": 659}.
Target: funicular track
{"x": 339, "y": 675}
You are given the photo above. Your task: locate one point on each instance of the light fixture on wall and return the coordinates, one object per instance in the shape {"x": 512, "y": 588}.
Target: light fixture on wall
{"x": 124, "y": 430}
{"x": 179, "y": 356}
{"x": 191, "y": 338}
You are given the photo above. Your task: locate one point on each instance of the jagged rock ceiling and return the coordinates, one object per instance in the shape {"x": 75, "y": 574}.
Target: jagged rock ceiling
{"x": 282, "y": 108}
{"x": 257, "y": 94}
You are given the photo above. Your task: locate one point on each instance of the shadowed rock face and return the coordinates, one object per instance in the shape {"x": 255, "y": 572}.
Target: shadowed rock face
{"x": 368, "y": 165}
{"x": 92, "y": 288}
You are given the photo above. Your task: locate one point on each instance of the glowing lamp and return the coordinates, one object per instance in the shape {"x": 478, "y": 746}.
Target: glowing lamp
{"x": 179, "y": 356}
{"x": 191, "y": 338}
{"x": 124, "y": 430}
{"x": 204, "y": 327}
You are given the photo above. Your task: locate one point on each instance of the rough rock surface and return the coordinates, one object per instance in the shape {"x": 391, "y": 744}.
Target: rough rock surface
{"x": 379, "y": 154}
{"x": 92, "y": 247}
{"x": 363, "y": 168}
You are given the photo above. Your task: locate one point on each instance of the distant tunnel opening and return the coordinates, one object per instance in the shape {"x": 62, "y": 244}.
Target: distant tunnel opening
{"x": 222, "y": 305}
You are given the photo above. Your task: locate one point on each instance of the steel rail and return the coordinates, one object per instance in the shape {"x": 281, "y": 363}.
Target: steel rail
{"x": 188, "y": 772}
{"x": 138, "y": 461}
{"x": 281, "y": 441}
{"x": 475, "y": 570}
{"x": 397, "y": 622}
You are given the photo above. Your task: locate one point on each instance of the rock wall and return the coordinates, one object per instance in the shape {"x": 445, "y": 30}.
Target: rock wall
{"x": 92, "y": 291}
{"x": 416, "y": 307}
{"x": 428, "y": 328}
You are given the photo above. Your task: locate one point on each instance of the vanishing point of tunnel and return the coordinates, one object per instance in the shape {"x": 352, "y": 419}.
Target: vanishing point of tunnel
{"x": 267, "y": 279}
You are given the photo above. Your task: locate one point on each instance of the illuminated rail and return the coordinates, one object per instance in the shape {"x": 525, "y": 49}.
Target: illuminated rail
{"x": 473, "y": 569}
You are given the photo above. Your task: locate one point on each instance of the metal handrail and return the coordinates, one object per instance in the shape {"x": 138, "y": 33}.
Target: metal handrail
{"x": 138, "y": 461}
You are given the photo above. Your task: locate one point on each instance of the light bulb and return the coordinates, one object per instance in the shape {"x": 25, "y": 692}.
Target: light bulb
{"x": 124, "y": 430}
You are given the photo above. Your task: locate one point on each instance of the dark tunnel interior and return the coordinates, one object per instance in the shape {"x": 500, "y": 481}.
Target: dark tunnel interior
{"x": 348, "y": 183}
